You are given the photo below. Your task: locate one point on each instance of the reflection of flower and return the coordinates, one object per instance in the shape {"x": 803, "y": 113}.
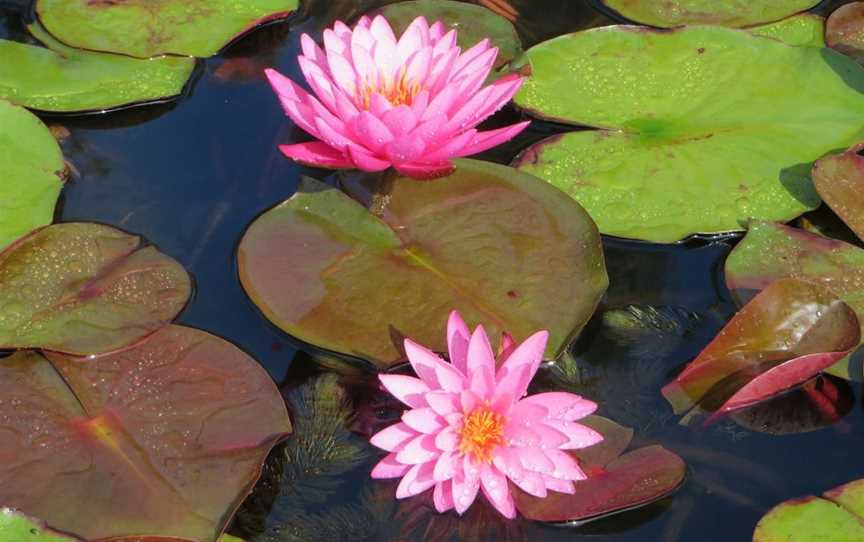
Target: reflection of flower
{"x": 471, "y": 427}
{"x": 411, "y": 103}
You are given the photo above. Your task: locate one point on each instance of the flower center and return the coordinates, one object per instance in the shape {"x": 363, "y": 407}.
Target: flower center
{"x": 482, "y": 432}
{"x": 398, "y": 91}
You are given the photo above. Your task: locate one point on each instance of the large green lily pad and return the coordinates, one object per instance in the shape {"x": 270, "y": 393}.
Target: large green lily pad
{"x": 147, "y": 28}
{"x": 86, "y": 289}
{"x": 31, "y": 169}
{"x": 737, "y": 13}
{"x": 161, "y": 440}
{"x": 702, "y": 127}
{"x": 60, "y": 78}
{"x": 16, "y": 527}
{"x": 838, "y": 516}
{"x": 802, "y": 30}
{"x": 497, "y": 245}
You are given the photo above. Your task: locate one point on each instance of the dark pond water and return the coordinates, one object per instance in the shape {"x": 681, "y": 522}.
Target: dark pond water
{"x": 191, "y": 175}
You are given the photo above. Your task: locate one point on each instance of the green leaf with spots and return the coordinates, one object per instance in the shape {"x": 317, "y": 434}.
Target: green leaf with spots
{"x": 700, "y": 129}
{"x": 837, "y": 516}
{"x": 499, "y": 246}
{"x": 147, "y": 28}
{"x": 16, "y": 527}
{"x": 31, "y": 172}
{"x": 802, "y": 30}
{"x": 62, "y": 79}
{"x": 736, "y": 13}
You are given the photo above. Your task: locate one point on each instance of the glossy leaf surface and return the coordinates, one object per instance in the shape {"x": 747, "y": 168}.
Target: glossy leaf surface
{"x": 85, "y": 288}
{"x": 844, "y": 30}
{"x": 161, "y": 440}
{"x": 736, "y": 13}
{"x": 62, "y": 79}
{"x": 786, "y": 335}
{"x": 802, "y": 30}
{"x": 31, "y": 169}
{"x": 839, "y": 179}
{"x": 675, "y": 155}
{"x": 500, "y": 247}
{"x": 146, "y": 28}
{"x": 836, "y": 517}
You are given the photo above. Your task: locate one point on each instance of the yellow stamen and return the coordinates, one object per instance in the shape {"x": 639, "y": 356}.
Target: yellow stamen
{"x": 398, "y": 91}
{"x": 482, "y": 432}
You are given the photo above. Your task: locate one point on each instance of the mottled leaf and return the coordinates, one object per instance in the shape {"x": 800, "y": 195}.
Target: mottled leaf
{"x": 146, "y": 28}
{"x": 701, "y": 128}
{"x": 31, "y": 169}
{"x": 736, "y": 13}
{"x": 497, "y": 245}
{"x": 161, "y": 440}
{"x": 839, "y": 179}
{"x": 837, "y": 517}
{"x": 786, "y": 335}
{"x": 16, "y": 527}
{"x": 85, "y": 288}
{"x": 844, "y": 30}
{"x": 615, "y": 482}
{"x": 805, "y": 30}
{"x": 60, "y": 78}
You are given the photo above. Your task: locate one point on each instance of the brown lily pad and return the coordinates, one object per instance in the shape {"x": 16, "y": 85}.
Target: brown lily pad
{"x": 85, "y": 289}
{"x": 159, "y": 442}
{"x": 839, "y": 179}
{"x": 844, "y": 30}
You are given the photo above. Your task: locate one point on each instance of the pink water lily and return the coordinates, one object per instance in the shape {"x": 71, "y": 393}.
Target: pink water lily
{"x": 411, "y": 103}
{"x": 471, "y": 427}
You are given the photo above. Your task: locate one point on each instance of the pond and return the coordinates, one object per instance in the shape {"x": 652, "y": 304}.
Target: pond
{"x": 190, "y": 175}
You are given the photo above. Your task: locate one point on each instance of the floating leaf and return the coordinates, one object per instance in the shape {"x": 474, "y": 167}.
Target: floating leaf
{"x": 85, "y": 289}
{"x": 164, "y": 439}
{"x": 473, "y": 23}
{"x": 837, "y": 517}
{"x": 31, "y": 169}
{"x": 494, "y": 244}
{"x": 839, "y": 179}
{"x": 844, "y": 30}
{"x": 736, "y": 13}
{"x": 805, "y": 30}
{"x": 64, "y": 79}
{"x": 146, "y": 29}
{"x": 16, "y": 527}
{"x": 677, "y": 155}
{"x": 615, "y": 483}
{"x": 786, "y": 335}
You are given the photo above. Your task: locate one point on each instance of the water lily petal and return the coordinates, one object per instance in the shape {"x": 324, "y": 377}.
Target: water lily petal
{"x": 442, "y": 496}
{"x": 566, "y": 466}
{"x": 443, "y": 402}
{"x": 458, "y": 337}
{"x": 559, "y": 485}
{"x": 532, "y": 483}
{"x": 519, "y": 368}
{"x": 494, "y": 485}
{"x": 316, "y": 153}
{"x": 447, "y": 440}
{"x": 425, "y": 171}
{"x": 432, "y": 369}
{"x": 417, "y": 480}
{"x": 492, "y": 138}
{"x": 464, "y": 492}
{"x": 425, "y": 420}
{"x": 367, "y": 162}
{"x": 407, "y": 389}
{"x": 533, "y": 459}
{"x": 393, "y": 437}
{"x": 579, "y": 436}
{"x": 400, "y": 120}
{"x": 420, "y": 449}
{"x": 389, "y": 467}
{"x": 563, "y": 405}
{"x": 445, "y": 466}
{"x": 480, "y": 351}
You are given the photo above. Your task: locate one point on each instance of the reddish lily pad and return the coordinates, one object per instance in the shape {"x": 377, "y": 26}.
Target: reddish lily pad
{"x": 838, "y": 516}
{"x": 85, "y": 289}
{"x": 844, "y": 31}
{"x": 736, "y": 13}
{"x": 147, "y": 28}
{"x": 786, "y": 335}
{"x": 839, "y": 179}
{"x": 160, "y": 442}
{"x": 498, "y": 246}
{"x": 615, "y": 483}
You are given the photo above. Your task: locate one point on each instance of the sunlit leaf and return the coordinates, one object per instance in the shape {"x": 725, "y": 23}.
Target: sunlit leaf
{"x": 16, "y": 527}
{"x": 836, "y": 517}
{"x": 806, "y": 29}
{"x": 164, "y": 439}
{"x": 736, "y": 13}
{"x": 84, "y": 288}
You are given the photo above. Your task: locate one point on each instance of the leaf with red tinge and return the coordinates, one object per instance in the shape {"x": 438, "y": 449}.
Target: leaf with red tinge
{"x": 163, "y": 440}
{"x": 787, "y": 334}
{"x": 615, "y": 483}
{"x": 839, "y": 179}
{"x": 85, "y": 289}
{"x": 844, "y": 30}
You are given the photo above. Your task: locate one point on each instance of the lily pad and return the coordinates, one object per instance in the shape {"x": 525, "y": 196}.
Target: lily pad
{"x": 736, "y": 13}
{"x": 31, "y": 169}
{"x": 702, "y": 128}
{"x": 615, "y": 482}
{"x": 16, "y": 527}
{"x": 844, "y": 30}
{"x": 86, "y": 289}
{"x": 62, "y": 79}
{"x": 836, "y": 517}
{"x": 785, "y": 336}
{"x": 161, "y": 440}
{"x": 497, "y": 245}
{"x": 147, "y": 28}
{"x": 805, "y": 30}
{"x": 471, "y": 22}
{"x": 839, "y": 179}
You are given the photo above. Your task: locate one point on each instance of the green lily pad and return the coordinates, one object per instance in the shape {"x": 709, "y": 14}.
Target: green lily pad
{"x": 836, "y": 517}
{"x": 839, "y": 179}
{"x": 805, "y": 30}
{"x": 154, "y": 27}
{"x": 844, "y": 31}
{"x": 63, "y": 79}
{"x": 16, "y": 527}
{"x": 499, "y": 246}
{"x": 86, "y": 289}
{"x": 471, "y": 22}
{"x": 702, "y": 127}
{"x": 161, "y": 441}
{"x": 736, "y": 13}
{"x": 31, "y": 169}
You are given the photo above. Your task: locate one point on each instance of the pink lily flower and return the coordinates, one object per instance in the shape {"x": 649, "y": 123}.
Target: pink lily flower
{"x": 471, "y": 428}
{"x": 411, "y": 103}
